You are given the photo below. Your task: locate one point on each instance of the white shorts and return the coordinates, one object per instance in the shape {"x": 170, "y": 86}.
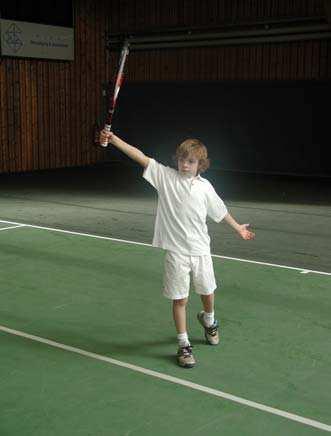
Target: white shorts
{"x": 178, "y": 269}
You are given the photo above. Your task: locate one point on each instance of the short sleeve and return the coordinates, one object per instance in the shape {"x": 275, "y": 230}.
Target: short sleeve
{"x": 216, "y": 208}
{"x": 153, "y": 173}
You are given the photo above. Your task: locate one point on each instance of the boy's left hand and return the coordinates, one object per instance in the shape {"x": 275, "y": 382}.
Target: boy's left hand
{"x": 245, "y": 233}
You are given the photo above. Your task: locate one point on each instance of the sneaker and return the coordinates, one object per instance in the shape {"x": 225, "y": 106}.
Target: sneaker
{"x": 211, "y": 333}
{"x": 185, "y": 357}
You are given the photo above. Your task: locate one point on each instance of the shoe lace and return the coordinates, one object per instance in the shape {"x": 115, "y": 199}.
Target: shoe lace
{"x": 186, "y": 351}
{"x": 212, "y": 330}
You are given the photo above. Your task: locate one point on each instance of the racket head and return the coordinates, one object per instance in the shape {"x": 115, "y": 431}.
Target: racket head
{"x": 117, "y": 87}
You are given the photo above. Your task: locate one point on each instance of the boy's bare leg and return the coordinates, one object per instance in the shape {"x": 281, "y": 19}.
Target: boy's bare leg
{"x": 208, "y": 302}
{"x": 207, "y": 319}
{"x": 179, "y": 313}
{"x": 185, "y": 357}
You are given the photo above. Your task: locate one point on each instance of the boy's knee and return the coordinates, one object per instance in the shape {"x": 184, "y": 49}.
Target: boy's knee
{"x": 207, "y": 297}
{"x": 180, "y": 302}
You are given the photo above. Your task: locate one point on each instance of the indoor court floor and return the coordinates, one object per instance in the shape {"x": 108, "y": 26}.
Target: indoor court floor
{"x": 88, "y": 343}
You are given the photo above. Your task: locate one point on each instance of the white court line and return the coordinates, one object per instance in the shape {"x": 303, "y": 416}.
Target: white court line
{"x": 302, "y": 270}
{"x": 11, "y": 227}
{"x": 169, "y": 378}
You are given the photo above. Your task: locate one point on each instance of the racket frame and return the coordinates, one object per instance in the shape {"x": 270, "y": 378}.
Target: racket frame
{"x": 117, "y": 87}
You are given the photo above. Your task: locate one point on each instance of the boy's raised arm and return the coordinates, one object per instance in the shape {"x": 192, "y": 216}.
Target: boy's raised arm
{"x": 132, "y": 152}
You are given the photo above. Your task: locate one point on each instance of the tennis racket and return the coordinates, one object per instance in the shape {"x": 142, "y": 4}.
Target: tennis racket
{"x": 117, "y": 87}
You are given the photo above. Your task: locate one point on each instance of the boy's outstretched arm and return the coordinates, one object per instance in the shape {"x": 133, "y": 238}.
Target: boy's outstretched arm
{"x": 240, "y": 228}
{"x": 132, "y": 152}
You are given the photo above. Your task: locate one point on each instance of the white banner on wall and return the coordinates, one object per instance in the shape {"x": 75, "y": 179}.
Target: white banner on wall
{"x": 31, "y": 40}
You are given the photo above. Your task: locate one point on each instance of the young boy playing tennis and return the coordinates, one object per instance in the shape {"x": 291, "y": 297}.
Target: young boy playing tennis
{"x": 185, "y": 199}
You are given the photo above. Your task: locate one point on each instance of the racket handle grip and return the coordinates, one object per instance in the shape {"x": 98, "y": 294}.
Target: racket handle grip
{"x": 107, "y": 128}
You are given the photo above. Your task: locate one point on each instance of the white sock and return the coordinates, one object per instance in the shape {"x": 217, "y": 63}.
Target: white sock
{"x": 208, "y": 318}
{"x": 183, "y": 339}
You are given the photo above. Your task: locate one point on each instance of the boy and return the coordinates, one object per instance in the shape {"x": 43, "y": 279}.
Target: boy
{"x": 185, "y": 199}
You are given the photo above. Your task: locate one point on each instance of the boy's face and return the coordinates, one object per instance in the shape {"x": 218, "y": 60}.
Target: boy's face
{"x": 188, "y": 166}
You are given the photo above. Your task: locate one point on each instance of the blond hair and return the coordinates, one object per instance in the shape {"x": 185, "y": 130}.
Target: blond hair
{"x": 194, "y": 147}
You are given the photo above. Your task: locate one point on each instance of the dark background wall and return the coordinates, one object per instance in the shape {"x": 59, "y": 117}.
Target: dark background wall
{"x": 49, "y": 108}
{"x": 255, "y": 126}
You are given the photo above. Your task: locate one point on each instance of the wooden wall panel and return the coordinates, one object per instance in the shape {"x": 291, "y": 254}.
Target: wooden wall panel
{"x": 34, "y": 116}
{"x": 4, "y": 119}
{"x": 49, "y": 108}
{"x": 153, "y": 14}
{"x": 15, "y": 143}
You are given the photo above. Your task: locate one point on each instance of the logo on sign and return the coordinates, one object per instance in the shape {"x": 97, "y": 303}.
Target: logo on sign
{"x": 12, "y": 38}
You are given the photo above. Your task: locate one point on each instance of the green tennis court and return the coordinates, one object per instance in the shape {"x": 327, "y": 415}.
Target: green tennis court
{"x": 101, "y": 358}
{"x": 103, "y": 101}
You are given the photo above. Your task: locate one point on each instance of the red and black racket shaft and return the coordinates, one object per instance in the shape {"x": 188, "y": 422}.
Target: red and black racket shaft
{"x": 117, "y": 87}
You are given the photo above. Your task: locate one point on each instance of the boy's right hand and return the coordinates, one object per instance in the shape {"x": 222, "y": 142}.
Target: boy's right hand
{"x": 105, "y": 136}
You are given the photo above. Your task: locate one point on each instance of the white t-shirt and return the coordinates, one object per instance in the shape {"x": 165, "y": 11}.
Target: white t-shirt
{"x": 183, "y": 206}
